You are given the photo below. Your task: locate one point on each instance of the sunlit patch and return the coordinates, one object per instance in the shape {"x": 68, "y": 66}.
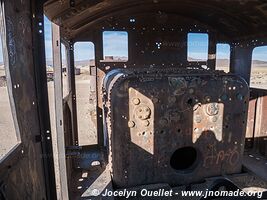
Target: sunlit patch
{"x": 141, "y": 120}
{"x": 208, "y": 118}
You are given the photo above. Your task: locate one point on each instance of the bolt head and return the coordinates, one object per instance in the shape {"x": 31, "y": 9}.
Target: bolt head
{"x": 214, "y": 119}
{"x": 163, "y": 122}
{"x": 131, "y": 124}
{"x": 191, "y": 91}
{"x": 198, "y": 119}
{"x": 136, "y": 101}
{"x": 146, "y": 123}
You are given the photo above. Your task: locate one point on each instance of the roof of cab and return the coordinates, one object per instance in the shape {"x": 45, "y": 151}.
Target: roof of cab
{"x": 236, "y": 18}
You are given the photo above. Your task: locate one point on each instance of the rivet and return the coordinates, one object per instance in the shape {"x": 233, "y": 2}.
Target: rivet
{"x": 214, "y": 119}
{"x": 198, "y": 119}
{"x": 146, "y": 123}
{"x": 207, "y": 98}
{"x": 163, "y": 122}
{"x": 136, "y": 101}
{"x": 191, "y": 91}
{"x": 131, "y": 124}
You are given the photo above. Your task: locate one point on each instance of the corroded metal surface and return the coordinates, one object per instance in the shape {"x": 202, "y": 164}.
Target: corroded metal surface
{"x": 234, "y": 18}
{"x": 257, "y": 125}
{"x": 151, "y": 115}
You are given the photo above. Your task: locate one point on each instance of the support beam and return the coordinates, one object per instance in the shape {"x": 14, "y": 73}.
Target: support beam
{"x": 72, "y": 89}
{"x": 42, "y": 96}
{"x": 212, "y": 52}
{"x": 57, "y": 64}
{"x": 99, "y": 80}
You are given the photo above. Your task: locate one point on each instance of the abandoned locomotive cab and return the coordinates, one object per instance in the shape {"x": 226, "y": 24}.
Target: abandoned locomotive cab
{"x": 148, "y": 95}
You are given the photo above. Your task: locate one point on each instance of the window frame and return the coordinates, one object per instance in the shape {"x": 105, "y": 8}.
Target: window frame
{"x": 103, "y": 47}
{"x": 188, "y": 48}
{"x": 259, "y": 88}
{"x": 12, "y": 154}
{"x": 229, "y": 58}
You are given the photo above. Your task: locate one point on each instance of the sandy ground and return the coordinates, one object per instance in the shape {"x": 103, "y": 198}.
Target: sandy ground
{"x": 259, "y": 77}
{"x": 86, "y": 108}
{"x": 7, "y": 130}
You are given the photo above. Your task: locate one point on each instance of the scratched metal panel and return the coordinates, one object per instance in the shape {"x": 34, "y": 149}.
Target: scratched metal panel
{"x": 260, "y": 135}
{"x": 263, "y": 127}
{"x": 152, "y": 113}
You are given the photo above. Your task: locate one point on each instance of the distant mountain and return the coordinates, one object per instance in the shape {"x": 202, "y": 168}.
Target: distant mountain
{"x": 91, "y": 62}
{"x": 226, "y": 62}
{"x": 259, "y": 62}
{"x": 222, "y": 62}
{"x": 219, "y": 62}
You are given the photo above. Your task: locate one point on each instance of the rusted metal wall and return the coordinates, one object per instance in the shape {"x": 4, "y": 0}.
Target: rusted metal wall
{"x": 167, "y": 22}
{"x": 150, "y": 114}
{"x": 251, "y": 123}
{"x": 257, "y": 125}
{"x": 22, "y": 173}
{"x": 143, "y": 36}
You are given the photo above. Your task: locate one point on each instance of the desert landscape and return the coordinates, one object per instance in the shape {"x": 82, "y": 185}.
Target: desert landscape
{"x": 7, "y": 128}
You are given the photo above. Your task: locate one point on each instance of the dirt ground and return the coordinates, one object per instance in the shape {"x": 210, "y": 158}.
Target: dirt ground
{"x": 7, "y": 129}
{"x": 86, "y": 109}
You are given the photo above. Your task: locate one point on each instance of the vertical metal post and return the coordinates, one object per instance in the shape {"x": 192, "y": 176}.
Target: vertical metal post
{"x": 240, "y": 63}
{"x": 57, "y": 64}
{"x": 99, "y": 78}
{"x": 42, "y": 96}
{"x": 72, "y": 88}
{"x": 212, "y": 52}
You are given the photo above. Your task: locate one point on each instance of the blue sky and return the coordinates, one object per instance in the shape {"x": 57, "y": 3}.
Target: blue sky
{"x": 197, "y": 46}
{"x": 116, "y": 44}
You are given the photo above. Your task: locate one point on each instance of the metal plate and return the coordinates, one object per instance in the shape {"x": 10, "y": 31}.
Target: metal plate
{"x": 176, "y": 127}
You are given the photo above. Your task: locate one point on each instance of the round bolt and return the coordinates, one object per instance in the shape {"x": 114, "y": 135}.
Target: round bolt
{"x": 163, "y": 122}
{"x": 172, "y": 100}
{"x": 207, "y": 98}
{"x": 136, "y": 101}
{"x": 214, "y": 119}
{"x": 146, "y": 123}
{"x": 155, "y": 100}
{"x": 198, "y": 119}
{"x": 191, "y": 91}
{"x": 196, "y": 130}
{"x": 131, "y": 124}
